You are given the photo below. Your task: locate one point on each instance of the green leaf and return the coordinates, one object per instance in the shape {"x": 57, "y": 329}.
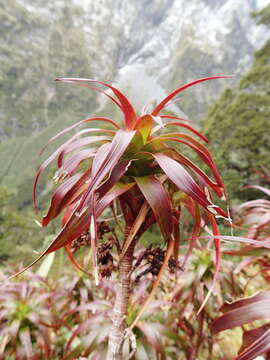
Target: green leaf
{"x": 144, "y": 125}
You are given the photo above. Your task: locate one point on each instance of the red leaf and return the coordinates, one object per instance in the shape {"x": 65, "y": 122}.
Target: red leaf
{"x": 250, "y": 251}
{"x": 251, "y": 336}
{"x": 67, "y": 214}
{"x": 25, "y": 338}
{"x": 106, "y": 163}
{"x": 73, "y": 228}
{"x": 261, "y": 296}
{"x": 73, "y": 262}
{"x": 93, "y": 236}
{"x": 126, "y": 107}
{"x": 64, "y": 195}
{"x": 71, "y": 165}
{"x": 186, "y": 126}
{"x": 101, "y": 154}
{"x": 117, "y": 190}
{"x": 152, "y": 335}
{"x": 60, "y": 152}
{"x": 261, "y": 188}
{"x": 253, "y": 203}
{"x": 260, "y": 346}
{"x": 78, "y": 124}
{"x": 185, "y": 161}
{"x": 76, "y": 224}
{"x": 130, "y": 207}
{"x": 174, "y": 117}
{"x": 259, "y": 243}
{"x": 57, "y": 203}
{"x": 217, "y": 263}
{"x": 200, "y": 149}
{"x": 117, "y": 173}
{"x": 178, "y": 175}
{"x": 195, "y": 233}
{"x": 75, "y": 145}
{"x": 159, "y": 201}
{"x": 265, "y": 173}
{"x": 161, "y": 105}
{"x": 82, "y": 327}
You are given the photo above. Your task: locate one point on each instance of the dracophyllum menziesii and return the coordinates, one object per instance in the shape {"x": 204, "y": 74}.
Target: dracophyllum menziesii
{"x": 134, "y": 170}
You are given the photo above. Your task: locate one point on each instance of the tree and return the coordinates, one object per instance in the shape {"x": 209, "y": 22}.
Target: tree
{"x": 133, "y": 174}
{"x": 238, "y": 124}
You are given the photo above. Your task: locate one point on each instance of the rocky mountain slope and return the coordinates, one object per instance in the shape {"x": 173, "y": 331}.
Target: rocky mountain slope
{"x": 145, "y": 47}
{"x": 166, "y": 42}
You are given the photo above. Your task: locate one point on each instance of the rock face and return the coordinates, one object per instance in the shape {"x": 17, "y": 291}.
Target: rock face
{"x": 167, "y": 42}
{"x": 145, "y": 47}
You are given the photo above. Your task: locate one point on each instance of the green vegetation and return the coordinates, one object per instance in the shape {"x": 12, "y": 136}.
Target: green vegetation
{"x": 33, "y": 53}
{"x": 238, "y": 124}
{"x": 76, "y": 314}
{"x": 19, "y": 235}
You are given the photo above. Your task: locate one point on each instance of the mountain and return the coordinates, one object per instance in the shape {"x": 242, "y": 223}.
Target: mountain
{"x": 166, "y": 42}
{"x": 145, "y": 47}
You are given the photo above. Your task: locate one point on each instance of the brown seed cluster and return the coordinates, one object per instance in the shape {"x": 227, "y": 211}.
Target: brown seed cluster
{"x": 103, "y": 228}
{"x": 105, "y": 259}
{"x": 83, "y": 240}
{"x": 154, "y": 258}
{"x": 104, "y": 256}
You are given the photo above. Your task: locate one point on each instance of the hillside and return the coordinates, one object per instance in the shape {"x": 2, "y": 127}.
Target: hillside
{"x": 238, "y": 124}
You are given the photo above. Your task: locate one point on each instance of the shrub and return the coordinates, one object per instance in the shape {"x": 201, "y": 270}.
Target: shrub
{"x": 132, "y": 174}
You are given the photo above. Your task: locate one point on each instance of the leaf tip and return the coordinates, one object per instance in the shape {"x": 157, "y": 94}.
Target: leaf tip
{"x": 38, "y": 223}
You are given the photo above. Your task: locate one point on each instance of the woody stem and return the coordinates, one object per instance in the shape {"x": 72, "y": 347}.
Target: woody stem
{"x": 119, "y": 316}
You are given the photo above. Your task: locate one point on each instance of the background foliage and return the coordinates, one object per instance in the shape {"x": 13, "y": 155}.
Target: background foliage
{"x": 238, "y": 124}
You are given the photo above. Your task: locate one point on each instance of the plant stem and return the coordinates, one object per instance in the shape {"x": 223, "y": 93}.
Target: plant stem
{"x": 116, "y": 338}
